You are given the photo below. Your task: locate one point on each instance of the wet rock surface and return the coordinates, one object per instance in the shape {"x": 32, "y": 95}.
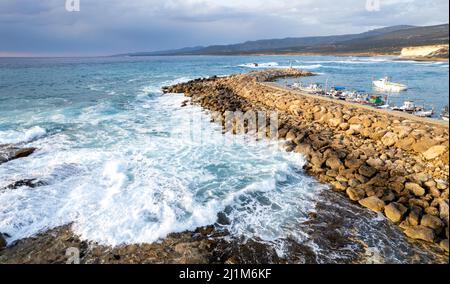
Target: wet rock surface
{"x": 10, "y": 152}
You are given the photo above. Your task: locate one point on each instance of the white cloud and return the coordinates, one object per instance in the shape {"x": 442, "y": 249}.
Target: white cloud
{"x": 108, "y": 26}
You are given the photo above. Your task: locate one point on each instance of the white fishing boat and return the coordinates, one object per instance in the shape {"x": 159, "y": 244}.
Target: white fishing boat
{"x": 424, "y": 113}
{"x": 385, "y": 84}
{"x": 408, "y": 106}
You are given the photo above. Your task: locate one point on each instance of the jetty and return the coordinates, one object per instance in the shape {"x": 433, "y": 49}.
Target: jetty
{"x": 389, "y": 162}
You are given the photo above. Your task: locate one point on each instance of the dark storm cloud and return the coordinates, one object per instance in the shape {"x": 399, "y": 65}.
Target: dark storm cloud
{"x": 114, "y": 26}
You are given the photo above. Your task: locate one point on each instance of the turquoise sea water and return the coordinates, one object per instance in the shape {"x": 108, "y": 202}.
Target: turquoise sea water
{"x": 125, "y": 163}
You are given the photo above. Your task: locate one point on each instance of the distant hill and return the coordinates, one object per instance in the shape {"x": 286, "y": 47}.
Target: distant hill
{"x": 389, "y": 40}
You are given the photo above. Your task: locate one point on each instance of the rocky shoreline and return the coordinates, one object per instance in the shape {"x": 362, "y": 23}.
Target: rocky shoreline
{"x": 386, "y": 163}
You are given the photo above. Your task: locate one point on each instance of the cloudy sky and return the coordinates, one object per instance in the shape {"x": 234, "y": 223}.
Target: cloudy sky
{"x": 102, "y": 27}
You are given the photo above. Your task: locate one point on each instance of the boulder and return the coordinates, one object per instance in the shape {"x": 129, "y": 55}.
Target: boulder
{"x": 444, "y": 211}
{"x": 376, "y": 163}
{"x": 335, "y": 122}
{"x": 389, "y": 139}
{"x": 414, "y": 188}
{"x": 432, "y": 222}
{"x": 395, "y": 212}
{"x": 317, "y": 160}
{"x": 402, "y": 131}
{"x": 356, "y": 194}
{"x": 420, "y": 233}
{"x": 333, "y": 163}
{"x": 444, "y": 245}
{"x": 353, "y": 163}
{"x": 304, "y": 149}
{"x": 405, "y": 143}
{"x": 434, "y": 152}
{"x": 367, "y": 171}
{"x": 291, "y": 135}
{"x": 373, "y": 203}
{"x": 344, "y": 126}
{"x": 414, "y": 215}
{"x": 424, "y": 145}
{"x": 25, "y": 152}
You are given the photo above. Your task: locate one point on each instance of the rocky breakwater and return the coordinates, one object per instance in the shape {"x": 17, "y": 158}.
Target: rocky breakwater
{"x": 387, "y": 163}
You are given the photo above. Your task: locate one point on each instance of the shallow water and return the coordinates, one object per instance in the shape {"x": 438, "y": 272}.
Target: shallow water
{"x": 127, "y": 164}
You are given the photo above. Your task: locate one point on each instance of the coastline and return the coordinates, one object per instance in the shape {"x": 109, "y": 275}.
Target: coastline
{"x": 307, "y": 124}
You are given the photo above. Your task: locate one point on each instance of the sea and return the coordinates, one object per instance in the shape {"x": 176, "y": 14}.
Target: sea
{"x": 124, "y": 163}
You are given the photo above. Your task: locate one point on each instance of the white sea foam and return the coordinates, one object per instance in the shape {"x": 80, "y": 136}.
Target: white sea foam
{"x": 135, "y": 183}
{"x": 260, "y": 65}
{"x": 277, "y": 65}
{"x": 25, "y": 136}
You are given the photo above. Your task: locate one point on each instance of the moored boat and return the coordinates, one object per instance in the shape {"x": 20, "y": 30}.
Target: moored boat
{"x": 385, "y": 84}
{"x": 408, "y": 106}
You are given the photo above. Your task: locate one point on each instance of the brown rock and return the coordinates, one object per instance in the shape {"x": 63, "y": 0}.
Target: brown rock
{"x": 25, "y": 152}
{"x": 344, "y": 126}
{"x": 444, "y": 245}
{"x": 434, "y": 152}
{"x": 317, "y": 160}
{"x": 414, "y": 188}
{"x": 432, "y": 222}
{"x": 367, "y": 171}
{"x": 389, "y": 139}
{"x": 405, "y": 143}
{"x": 333, "y": 163}
{"x": 339, "y": 185}
{"x": 414, "y": 215}
{"x": 395, "y": 212}
{"x": 335, "y": 122}
{"x": 353, "y": 163}
{"x": 291, "y": 135}
{"x": 441, "y": 184}
{"x": 420, "y": 233}
{"x": 373, "y": 203}
{"x": 356, "y": 194}
{"x": 432, "y": 211}
{"x": 424, "y": 144}
{"x": 304, "y": 149}
{"x": 402, "y": 131}
{"x": 444, "y": 211}
{"x": 376, "y": 163}
{"x": 396, "y": 186}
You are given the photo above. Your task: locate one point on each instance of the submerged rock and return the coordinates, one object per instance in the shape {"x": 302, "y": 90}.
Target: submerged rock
{"x": 11, "y": 152}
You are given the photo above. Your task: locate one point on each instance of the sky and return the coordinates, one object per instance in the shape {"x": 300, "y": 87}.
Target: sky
{"x": 105, "y": 27}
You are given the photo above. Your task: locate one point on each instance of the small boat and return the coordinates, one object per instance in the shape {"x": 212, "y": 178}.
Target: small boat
{"x": 408, "y": 106}
{"x": 444, "y": 114}
{"x": 385, "y": 84}
{"x": 376, "y": 100}
{"x": 424, "y": 113}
